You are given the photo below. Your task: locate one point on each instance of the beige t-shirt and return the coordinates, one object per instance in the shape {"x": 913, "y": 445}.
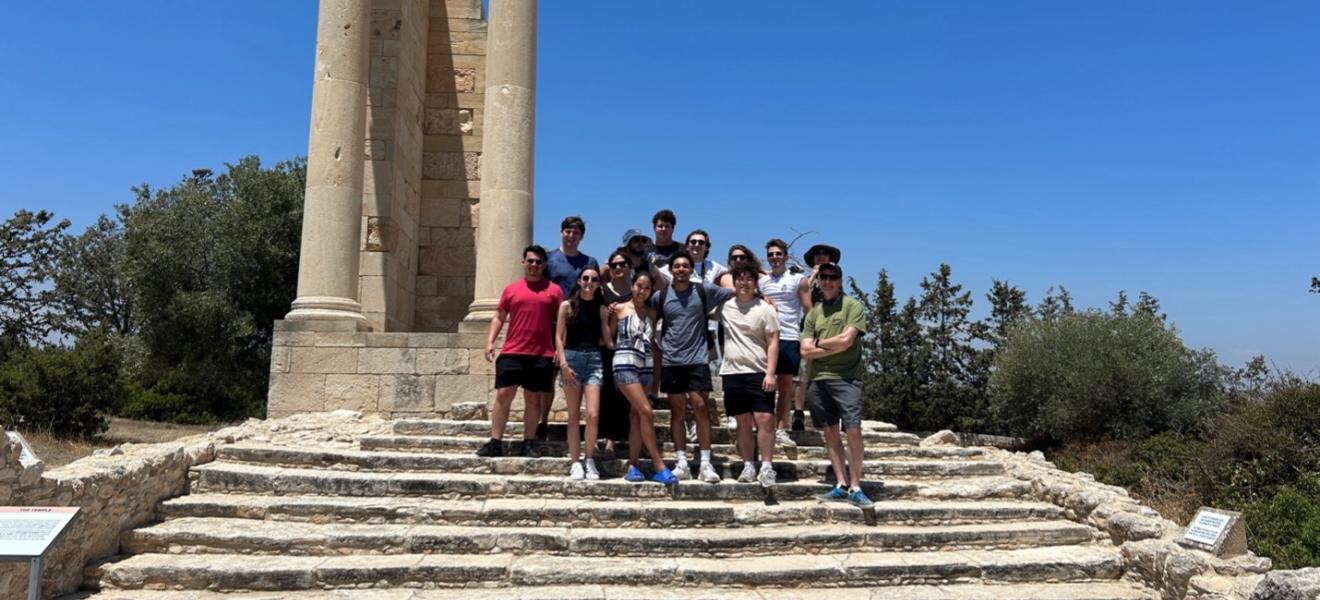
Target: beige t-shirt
{"x": 746, "y": 331}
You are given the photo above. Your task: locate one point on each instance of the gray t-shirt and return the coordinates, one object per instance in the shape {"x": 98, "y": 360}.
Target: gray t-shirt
{"x": 683, "y": 339}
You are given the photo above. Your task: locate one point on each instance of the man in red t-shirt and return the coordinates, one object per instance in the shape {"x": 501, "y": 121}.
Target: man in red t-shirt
{"x": 527, "y": 359}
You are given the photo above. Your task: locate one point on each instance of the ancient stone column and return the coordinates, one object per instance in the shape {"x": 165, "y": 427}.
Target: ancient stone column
{"x": 332, "y": 208}
{"x": 506, "y": 154}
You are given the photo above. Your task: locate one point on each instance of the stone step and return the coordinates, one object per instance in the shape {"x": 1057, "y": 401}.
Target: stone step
{"x": 435, "y": 443}
{"x": 223, "y": 476}
{"x": 558, "y": 431}
{"x": 664, "y": 513}
{"x": 272, "y": 573}
{"x": 405, "y": 461}
{"x": 1095, "y": 590}
{"x": 246, "y": 536}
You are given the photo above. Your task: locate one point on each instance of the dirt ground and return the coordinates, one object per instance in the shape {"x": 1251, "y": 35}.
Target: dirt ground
{"x": 56, "y": 452}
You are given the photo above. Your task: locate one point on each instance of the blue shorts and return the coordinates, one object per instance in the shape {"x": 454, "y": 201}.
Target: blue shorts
{"x": 626, "y": 374}
{"x": 586, "y": 365}
{"x": 790, "y": 358}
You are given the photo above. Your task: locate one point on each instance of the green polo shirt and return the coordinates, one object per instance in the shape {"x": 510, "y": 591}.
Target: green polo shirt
{"x": 824, "y": 322}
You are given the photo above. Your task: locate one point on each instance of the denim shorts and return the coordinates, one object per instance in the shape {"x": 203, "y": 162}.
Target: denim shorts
{"x": 624, "y": 375}
{"x": 586, "y": 365}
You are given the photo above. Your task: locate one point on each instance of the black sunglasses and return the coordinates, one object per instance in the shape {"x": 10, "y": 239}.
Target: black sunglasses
{"x": 619, "y": 264}
{"x": 697, "y": 242}
{"x": 590, "y": 279}
{"x": 738, "y": 257}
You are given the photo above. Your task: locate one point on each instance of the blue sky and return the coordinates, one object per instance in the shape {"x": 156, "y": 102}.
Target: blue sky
{"x": 1171, "y": 147}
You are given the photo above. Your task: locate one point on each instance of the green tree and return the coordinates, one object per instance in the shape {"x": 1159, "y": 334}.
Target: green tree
{"x": 211, "y": 263}
{"x": 881, "y": 349}
{"x": 65, "y": 391}
{"x": 944, "y": 309}
{"x": 1315, "y": 285}
{"x": 89, "y": 291}
{"x": 1057, "y": 302}
{"x": 29, "y": 247}
{"x": 1092, "y": 375}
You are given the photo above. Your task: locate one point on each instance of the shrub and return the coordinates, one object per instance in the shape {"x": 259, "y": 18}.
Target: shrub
{"x": 1286, "y": 526}
{"x": 61, "y": 390}
{"x": 1094, "y": 375}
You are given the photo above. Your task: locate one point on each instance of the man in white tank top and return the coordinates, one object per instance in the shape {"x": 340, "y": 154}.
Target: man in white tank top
{"x": 791, "y": 294}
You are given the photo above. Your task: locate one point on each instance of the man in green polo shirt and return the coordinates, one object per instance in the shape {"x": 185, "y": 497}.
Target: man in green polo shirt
{"x": 831, "y": 339}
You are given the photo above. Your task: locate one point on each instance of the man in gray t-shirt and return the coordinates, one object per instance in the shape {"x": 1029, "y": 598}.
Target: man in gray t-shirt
{"x": 685, "y": 374}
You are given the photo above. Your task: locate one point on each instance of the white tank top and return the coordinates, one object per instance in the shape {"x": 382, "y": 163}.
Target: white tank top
{"x": 783, "y": 291}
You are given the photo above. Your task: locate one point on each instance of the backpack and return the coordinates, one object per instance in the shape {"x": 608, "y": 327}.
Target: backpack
{"x": 705, "y": 310}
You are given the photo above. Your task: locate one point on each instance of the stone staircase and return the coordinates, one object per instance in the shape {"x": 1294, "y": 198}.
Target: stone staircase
{"x": 412, "y": 513}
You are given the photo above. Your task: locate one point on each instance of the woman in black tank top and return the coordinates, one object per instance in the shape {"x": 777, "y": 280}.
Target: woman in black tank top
{"x": 578, "y": 342}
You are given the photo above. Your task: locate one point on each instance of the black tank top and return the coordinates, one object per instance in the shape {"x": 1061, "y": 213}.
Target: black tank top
{"x": 583, "y": 329}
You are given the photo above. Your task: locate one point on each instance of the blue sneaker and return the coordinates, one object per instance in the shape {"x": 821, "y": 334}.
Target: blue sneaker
{"x": 665, "y": 476}
{"x": 634, "y": 475}
{"x": 858, "y": 498}
{"x": 836, "y": 494}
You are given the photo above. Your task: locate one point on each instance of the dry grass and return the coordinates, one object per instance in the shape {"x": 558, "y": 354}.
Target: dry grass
{"x": 56, "y": 452}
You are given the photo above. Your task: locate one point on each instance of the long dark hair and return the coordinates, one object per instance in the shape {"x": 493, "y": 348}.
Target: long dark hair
{"x": 751, "y": 257}
{"x": 575, "y": 294}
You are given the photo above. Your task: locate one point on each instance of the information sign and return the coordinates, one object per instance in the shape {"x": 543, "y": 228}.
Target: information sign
{"x": 29, "y": 531}
{"x": 1220, "y": 532}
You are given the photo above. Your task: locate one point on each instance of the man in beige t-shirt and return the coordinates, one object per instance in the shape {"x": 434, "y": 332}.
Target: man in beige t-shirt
{"x": 751, "y": 348}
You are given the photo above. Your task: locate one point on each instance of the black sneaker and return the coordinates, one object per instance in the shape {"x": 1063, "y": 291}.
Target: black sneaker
{"x": 798, "y": 424}
{"x": 491, "y": 449}
{"x": 543, "y": 431}
{"x": 529, "y": 450}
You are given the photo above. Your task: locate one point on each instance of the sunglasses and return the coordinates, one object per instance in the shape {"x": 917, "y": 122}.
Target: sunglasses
{"x": 697, "y": 242}
{"x": 533, "y": 261}
{"x": 738, "y": 257}
{"x": 620, "y": 264}
{"x": 774, "y": 253}
{"x": 825, "y": 277}
{"x": 590, "y": 279}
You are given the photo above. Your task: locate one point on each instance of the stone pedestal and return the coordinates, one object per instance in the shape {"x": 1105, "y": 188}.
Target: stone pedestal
{"x": 506, "y": 154}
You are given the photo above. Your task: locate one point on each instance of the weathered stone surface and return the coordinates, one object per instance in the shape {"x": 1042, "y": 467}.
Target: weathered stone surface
{"x": 352, "y": 392}
{"x": 407, "y": 393}
{"x": 1299, "y": 584}
{"x": 387, "y": 361}
{"x": 941, "y": 438}
{"x": 442, "y": 361}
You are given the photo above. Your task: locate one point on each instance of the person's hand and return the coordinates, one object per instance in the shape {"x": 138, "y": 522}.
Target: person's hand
{"x": 570, "y": 378}
{"x": 768, "y": 384}
{"x": 490, "y": 352}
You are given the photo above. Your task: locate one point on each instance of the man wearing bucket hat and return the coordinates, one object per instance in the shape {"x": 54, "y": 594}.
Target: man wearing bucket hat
{"x": 831, "y": 338}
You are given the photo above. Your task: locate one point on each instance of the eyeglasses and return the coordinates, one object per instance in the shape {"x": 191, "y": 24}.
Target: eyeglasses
{"x": 738, "y": 257}
{"x": 827, "y": 277}
{"x": 533, "y": 261}
{"x": 697, "y": 242}
{"x": 619, "y": 264}
{"x": 774, "y": 253}
{"x": 590, "y": 279}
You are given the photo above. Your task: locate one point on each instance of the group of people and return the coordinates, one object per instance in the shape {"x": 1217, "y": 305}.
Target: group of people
{"x": 664, "y": 314}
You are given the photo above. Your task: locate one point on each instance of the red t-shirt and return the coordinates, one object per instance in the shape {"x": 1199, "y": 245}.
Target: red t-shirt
{"x": 532, "y": 307}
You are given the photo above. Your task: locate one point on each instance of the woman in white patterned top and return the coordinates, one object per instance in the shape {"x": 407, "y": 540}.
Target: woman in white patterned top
{"x": 632, "y": 330}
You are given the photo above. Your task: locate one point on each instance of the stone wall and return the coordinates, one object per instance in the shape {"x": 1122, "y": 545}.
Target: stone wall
{"x": 451, "y": 164}
{"x": 117, "y": 490}
{"x": 421, "y": 180}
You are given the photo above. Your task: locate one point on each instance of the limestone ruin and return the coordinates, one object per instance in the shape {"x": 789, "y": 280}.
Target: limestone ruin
{"x": 363, "y": 484}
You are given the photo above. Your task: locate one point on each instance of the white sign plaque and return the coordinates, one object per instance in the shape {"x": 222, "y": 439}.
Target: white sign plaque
{"x": 1207, "y": 527}
{"x": 25, "y": 455}
{"x": 29, "y": 531}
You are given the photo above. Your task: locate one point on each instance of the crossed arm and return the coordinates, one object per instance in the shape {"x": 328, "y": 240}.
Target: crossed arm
{"x": 813, "y": 348}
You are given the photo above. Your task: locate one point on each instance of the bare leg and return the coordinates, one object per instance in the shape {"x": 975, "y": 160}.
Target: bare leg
{"x": 676, "y": 407}
{"x": 834, "y": 446}
{"x": 765, "y": 435}
{"x": 573, "y": 397}
{"x": 855, "y": 453}
{"x": 634, "y": 436}
{"x": 783, "y": 399}
{"x": 531, "y": 412}
{"x": 499, "y": 416}
{"x": 547, "y": 400}
{"x": 745, "y": 441}
{"x": 593, "y": 418}
{"x": 699, "y": 400}
{"x": 645, "y": 425}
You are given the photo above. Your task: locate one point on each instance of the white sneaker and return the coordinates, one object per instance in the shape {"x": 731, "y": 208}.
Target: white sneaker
{"x": 690, "y": 428}
{"x": 748, "y": 474}
{"x": 592, "y": 473}
{"x": 766, "y": 477}
{"x": 575, "y": 472}
{"x": 681, "y": 470}
{"x": 708, "y": 473}
{"x": 783, "y": 439}
{"x": 731, "y": 423}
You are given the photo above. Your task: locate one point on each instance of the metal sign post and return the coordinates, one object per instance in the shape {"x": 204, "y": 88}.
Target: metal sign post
{"x": 34, "y": 580}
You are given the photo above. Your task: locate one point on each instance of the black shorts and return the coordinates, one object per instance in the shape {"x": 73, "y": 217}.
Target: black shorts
{"x": 531, "y": 373}
{"x": 743, "y": 394}
{"x": 790, "y": 358}
{"x": 681, "y": 379}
